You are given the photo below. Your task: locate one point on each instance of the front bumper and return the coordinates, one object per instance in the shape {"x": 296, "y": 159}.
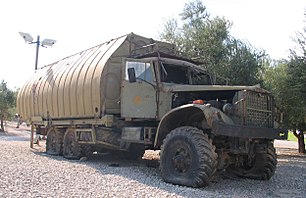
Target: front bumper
{"x": 220, "y": 128}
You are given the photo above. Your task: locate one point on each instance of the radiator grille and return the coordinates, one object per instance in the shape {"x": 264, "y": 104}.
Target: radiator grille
{"x": 256, "y": 109}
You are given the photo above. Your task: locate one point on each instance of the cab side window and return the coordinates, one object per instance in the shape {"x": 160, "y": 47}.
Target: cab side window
{"x": 142, "y": 70}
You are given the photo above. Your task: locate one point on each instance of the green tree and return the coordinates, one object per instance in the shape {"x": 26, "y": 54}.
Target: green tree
{"x": 7, "y": 101}
{"x": 297, "y": 83}
{"x": 245, "y": 63}
{"x": 297, "y": 87}
{"x": 275, "y": 80}
{"x": 287, "y": 81}
{"x": 207, "y": 40}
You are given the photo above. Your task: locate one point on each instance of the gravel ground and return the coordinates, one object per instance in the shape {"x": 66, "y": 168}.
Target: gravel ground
{"x": 26, "y": 172}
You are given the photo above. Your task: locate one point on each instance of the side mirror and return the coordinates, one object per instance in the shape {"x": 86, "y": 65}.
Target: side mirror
{"x": 132, "y": 75}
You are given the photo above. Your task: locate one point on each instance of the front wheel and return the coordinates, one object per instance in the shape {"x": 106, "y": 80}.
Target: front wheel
{"x": 188, "y": 157}
{"x": 261, "y": 167}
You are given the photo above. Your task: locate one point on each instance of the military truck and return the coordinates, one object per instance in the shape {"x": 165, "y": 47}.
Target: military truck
{"x": 134, "y": 93}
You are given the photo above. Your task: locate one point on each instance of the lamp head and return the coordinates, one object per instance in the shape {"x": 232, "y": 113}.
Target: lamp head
{"x": 26, "y": 36}
{"x": 48, "y": 42}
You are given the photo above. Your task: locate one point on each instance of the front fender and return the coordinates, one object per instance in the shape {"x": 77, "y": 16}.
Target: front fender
{"x": 201, "y": 116}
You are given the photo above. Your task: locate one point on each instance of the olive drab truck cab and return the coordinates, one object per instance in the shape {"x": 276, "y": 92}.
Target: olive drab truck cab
{"x": 134, "y": 93}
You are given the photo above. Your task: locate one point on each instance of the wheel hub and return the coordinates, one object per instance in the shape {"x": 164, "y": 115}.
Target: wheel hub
{"x": 181, "y": 160}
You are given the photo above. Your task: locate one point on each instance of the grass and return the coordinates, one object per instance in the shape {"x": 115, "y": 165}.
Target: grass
{"x": 291, "y": 137}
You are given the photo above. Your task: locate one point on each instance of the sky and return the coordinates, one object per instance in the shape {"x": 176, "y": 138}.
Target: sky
{"x": 78, "y": 24}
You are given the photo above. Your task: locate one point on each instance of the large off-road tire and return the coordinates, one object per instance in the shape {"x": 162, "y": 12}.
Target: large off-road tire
{"x": 188, "y": 157}
{"x": 54, "y": 143}
{"x": 86, "y": 150}
{"x": 72, "y": 149}
{"x": 262, "y": 167}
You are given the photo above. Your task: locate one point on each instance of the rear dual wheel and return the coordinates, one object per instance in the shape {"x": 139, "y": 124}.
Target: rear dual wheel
{"x": 54, "y": 143}
{"x": 72, "y": 149}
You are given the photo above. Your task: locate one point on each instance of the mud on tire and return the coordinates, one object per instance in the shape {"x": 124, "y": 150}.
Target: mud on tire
{"x": 54, "y": 143}
{"x": 72, "y": 149}
{"x": 188, "y": 157}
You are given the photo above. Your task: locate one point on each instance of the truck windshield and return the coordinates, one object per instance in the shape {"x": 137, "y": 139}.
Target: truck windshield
{"x": 201, "y": 78}
{"x": 174, "y": 74}
{"x": 179, "y": 74}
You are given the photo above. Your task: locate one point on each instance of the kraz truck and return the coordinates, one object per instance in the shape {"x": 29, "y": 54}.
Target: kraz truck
{"x": 134, "y": 93}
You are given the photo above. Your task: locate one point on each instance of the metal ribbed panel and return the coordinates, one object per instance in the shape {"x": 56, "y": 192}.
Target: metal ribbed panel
{"x": 69, "y": 88}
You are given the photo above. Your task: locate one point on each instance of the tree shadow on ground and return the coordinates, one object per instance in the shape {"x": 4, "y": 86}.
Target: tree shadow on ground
{"x": 284, "y": 153}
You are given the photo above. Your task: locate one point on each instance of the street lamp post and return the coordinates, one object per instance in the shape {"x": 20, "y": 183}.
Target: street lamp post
{"x": 45, "y": 43}
{"x": 37, "y": 50}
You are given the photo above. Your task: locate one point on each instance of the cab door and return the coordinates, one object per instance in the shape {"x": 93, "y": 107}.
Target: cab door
{"x": 138, "y": 97}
